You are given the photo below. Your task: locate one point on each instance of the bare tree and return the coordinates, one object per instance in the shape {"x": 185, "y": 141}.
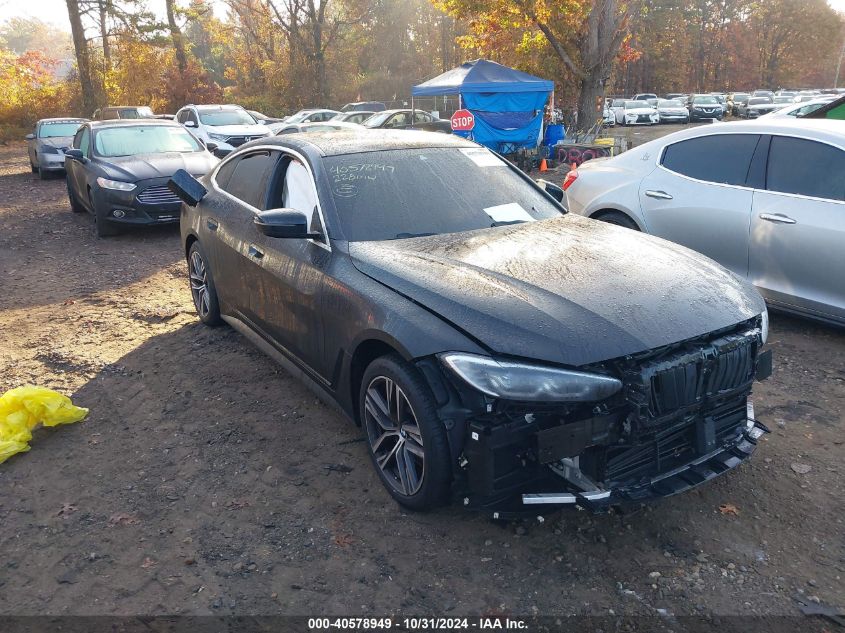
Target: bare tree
{"x": 177, "y": 37}
{"x": 83, "y": 58}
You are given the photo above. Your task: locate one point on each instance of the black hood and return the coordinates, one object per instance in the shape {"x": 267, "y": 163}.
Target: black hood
{"x": 567, "y": 290}
{"x": 147, "y": 166}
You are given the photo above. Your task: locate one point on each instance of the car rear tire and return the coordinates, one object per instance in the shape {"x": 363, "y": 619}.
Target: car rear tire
{"x": 74, "y": 203}
{"x": 43, "y": 175}
{"x": 405, "y": 438}
{"x": 203, "y": 290}
{"x": 618, "y": 218}
{"x": 33, "y": 168}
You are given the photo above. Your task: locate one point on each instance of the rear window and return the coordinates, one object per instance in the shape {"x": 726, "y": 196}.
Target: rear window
{"x": 807, "y": 168}
{"x": 720, "y": 158}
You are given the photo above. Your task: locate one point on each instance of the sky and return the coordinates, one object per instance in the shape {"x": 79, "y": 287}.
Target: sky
{"x": 55, "y": 11}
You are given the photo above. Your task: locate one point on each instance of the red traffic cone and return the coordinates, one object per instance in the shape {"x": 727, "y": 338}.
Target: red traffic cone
{"x": 543, "y": 165}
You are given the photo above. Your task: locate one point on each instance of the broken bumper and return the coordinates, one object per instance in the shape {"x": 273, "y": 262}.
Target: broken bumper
{"x": 679, "y": 480}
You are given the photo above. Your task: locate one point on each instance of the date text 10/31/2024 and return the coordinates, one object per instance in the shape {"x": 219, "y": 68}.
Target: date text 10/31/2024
{"x": 417, "y": 624}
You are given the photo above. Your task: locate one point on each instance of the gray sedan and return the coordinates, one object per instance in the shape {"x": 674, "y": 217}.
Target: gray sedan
{"x": 765, "y": 199}
{"x": 48, "y": 142}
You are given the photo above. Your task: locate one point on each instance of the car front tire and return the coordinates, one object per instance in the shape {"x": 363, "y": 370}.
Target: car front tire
{"x": 405, "y": 438}
{"x": 203, "y": 290}
{"x": 102, "y": 227}
{"x": 74, "y": 203}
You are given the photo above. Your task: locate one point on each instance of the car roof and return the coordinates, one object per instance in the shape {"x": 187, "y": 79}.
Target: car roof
{"x": 820, "y": 129}
{"x": 99, "y": 125}
{"x": 356, "y": 140}
{"x": 69, "y": 119}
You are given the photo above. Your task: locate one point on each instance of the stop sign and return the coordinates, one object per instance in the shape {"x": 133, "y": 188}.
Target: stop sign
{"x": 462, "y": 121}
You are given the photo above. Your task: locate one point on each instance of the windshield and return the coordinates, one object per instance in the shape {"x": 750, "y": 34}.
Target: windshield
{"x": 55, "y": 129}
{"x": 705, "y": 100}
{"x": 632, "y": 105}
{"x": 299, "y": 117}
{"x": 395, "y": 194}
{"x": 146, "y": 139}
{"x": 618, "y": 103}
{"x": 758, "y": 100}
{"x": 670, "y": 103}
{"x": 141, "y": 112}
{"x": 215, "y": 118}
{"x": 377, "y": 119}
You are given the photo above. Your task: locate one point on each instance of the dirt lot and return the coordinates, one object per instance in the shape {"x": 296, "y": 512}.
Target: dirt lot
{"x": 206, "y": 480}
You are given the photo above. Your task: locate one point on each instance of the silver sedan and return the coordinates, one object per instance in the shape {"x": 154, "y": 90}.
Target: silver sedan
{"x": 766, "y": 199}
{"x": 47, "y": 144}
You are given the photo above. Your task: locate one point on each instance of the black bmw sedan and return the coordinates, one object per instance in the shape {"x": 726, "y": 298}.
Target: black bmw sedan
{"x": 118, "y": 171}
{"x": 491, "y": 346}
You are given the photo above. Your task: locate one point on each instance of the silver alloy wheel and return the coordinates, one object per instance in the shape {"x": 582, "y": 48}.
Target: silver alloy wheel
{"x": 394, "y": 435}
{"x": 199, "y": 284}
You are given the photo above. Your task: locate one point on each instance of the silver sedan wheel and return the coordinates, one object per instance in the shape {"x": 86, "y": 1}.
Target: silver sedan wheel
{"x": 199, "y": 284}
{"x": 394, "y": 435}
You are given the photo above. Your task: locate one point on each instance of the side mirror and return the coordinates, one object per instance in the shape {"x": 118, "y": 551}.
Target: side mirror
{"x": 211, "y": 147}
{"x": 284, "y": 223}
{"x": 75, "y": 154}
{"x": 187, "y": 188}
{"x": 30, "y": 137}
{"x": 190, "y": 124}
{"x": 552, "y": 189}
{"x": 261, "y": 122}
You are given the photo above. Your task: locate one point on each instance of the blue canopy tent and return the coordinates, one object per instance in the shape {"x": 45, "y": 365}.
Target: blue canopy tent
{"x": 507, "y": 103}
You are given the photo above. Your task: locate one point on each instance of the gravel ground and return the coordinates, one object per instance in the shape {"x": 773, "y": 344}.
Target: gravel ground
{"x": 207, "y": 481}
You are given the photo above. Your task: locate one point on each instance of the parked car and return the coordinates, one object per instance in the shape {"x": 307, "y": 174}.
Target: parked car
{"x": 123, "y": 112}
{"x": 311, "y": 116}
{"x": 354, "y": 116}
{"x": 705, "y": 108}
{"x": 758, "y": 106}
{"x": 364, "y": 106}
{"x": 672, "y": 111}
{"x": 637, "y": 113}
{"x": 614, "y": 107}
{"x": 645, "y": 96}
{"x": 118, "y": 171}
{"x": 672, "y": 96}
{"x": 736, "y": 101}
{"x": 608, "y": 116}
{"x": 226, "y": 126}
{"x": 798, "y": 110}
{"x": 48, "y": 142}
{"x": 763, "y": 198}
{"x": 408, "y": 120}
{"x": 263, "y": 119}
{"x": 783, "y": 100}
{"x": 460, "y": 324}
{"x": 326, "y": 126}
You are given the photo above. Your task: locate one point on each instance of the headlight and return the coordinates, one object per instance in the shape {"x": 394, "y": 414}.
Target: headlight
{"x": 520, "y": 381}
{"x": 217, "y": 137}
{"x": 117, "y": 185}
{"x": 764, "y": 325}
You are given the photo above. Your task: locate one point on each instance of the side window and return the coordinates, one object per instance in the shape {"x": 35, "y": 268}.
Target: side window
{"x": 249, "y": 178}
{"x": 421, "y": 117}
{"x": 84, "y": 141}
{"x": 807, "y": 168}
{"x": 720, "y": 158}
{"x": 299, "y": 192}
{"x": 191, "y": 116}
{"x": 180, "y": 117}
{"x": 108, "y": 114}
{"x": 77, "y": 138}
{"x": 97, "y": 114}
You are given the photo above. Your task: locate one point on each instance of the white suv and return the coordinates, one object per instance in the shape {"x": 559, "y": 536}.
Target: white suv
{"x": 227, "y": 126}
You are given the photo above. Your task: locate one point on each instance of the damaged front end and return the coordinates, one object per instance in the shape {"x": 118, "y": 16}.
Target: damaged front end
{"x": 676, "y": 417}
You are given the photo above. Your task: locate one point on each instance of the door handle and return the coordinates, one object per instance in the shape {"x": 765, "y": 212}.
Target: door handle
{"x": 778, "y": 218}
{"x": 254, "y": 252}
{"x": 660, "y": 195}
{"x": 212, "y": 224}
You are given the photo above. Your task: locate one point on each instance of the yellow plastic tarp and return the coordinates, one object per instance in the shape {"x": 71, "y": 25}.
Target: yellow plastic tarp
{"x": 24, "y": 408}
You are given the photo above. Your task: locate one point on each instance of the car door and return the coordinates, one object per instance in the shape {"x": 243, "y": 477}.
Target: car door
{"x": 798, "y": 227}
{"x": 30, "y": 146}
{"x": 239, "y": 186}
{"x": 76, "y": 170}
{"x": 399, "y": 120}
{"x": 698, "y": 196}
{"x": 293, "y": 270}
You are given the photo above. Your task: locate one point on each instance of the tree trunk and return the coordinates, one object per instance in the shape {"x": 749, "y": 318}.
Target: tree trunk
{"x": 83, "y": 60}
{"x": 590, "y": 100}
{"x": 176, "y": 36}
{"x": 104, "y": 34}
